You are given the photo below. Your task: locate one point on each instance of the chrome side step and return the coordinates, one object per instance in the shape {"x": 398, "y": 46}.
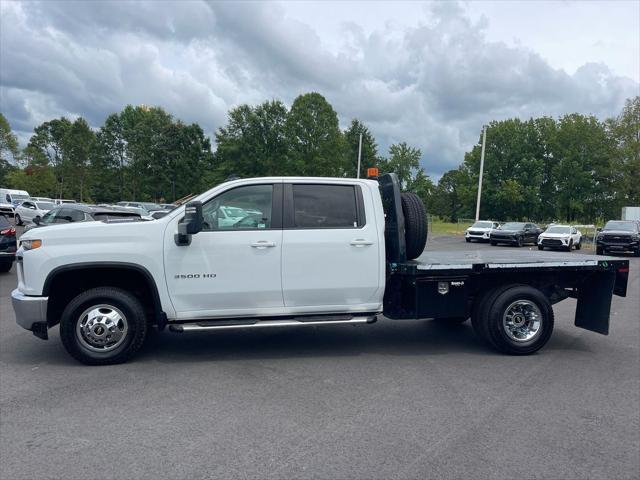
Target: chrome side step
{"x": 210, "y": 325}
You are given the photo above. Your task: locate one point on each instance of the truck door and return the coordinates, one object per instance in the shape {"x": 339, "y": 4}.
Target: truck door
{"x": 330, "y": 248}
{"x": 230, "y": 268}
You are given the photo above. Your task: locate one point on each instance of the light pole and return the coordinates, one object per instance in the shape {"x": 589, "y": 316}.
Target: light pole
{"x": 484, "y": 141}
{"x": 359, "y": 155}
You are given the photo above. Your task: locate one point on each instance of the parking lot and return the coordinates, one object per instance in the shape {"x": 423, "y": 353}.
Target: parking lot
{"x": 396, "y": 399}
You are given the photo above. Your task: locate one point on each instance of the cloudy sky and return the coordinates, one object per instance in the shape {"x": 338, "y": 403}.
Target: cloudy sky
{"x": 430, "y": 74}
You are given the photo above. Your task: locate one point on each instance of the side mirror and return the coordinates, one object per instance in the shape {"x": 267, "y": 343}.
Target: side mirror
{"x": 599, "y": 229}
{"x": 37, "y": 219}
{"x": 191, "y": 224}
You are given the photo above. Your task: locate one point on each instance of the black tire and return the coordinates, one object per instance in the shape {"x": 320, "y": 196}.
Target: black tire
{"x": 468, "y": 240}
{"x": 570, "y": 246}
{"x": 599, "y": 251}
{"x": 480, "y": 305}
{"x": 17, "y": 219}
{"x": 415, "y": 224}
{"x": 5, "y": 266}
{"x": 637, "y": 252}
{"x": 520, "y": 242}
{"x": 540, "y": 247}
{"x": 133, "y": 314}
{"x": 493, "y": 244}
{"x": 492, "y": 320}
{"x": 579, "y": 244}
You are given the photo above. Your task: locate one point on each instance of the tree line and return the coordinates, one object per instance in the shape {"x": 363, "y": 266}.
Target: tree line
{"x": 576, "y": 167}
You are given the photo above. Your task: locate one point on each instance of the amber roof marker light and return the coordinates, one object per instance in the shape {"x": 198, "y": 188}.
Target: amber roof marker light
{"x": 372, "y": 172}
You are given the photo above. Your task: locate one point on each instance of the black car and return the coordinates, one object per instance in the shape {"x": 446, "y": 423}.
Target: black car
{"x": 515, "y": 233}
{"x": 619, "y": 236}
{"x": 8, "y": 244}
{"x": 76, "y": 212}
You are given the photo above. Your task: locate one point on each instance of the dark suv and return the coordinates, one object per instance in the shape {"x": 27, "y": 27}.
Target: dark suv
{"x": 619, "y": 236}
{"x": 7, "y": 244}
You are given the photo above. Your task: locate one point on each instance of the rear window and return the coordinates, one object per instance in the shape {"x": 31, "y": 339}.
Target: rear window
{"x": 325, "y": 206}
{"x": 4, "y": 222}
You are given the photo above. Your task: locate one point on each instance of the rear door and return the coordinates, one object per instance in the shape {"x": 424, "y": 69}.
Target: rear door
{"x": 330, "y": 248}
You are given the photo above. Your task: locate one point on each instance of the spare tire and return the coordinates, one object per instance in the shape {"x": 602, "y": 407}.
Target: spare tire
{"x": 415, "y": 224}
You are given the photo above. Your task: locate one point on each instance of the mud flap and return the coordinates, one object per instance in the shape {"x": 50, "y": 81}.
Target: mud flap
{"x": 594, "y": 302}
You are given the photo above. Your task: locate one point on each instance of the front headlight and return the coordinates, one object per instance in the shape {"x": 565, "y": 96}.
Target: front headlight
{"x": 30, "y": 244}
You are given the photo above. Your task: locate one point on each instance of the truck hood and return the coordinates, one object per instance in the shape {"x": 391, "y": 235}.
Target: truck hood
{"x": 72, "y": 232}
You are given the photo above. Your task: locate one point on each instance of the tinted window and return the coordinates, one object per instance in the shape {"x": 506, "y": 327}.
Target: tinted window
{"x": 624, "y": 226}
{"x": 4, "y": 222}
{"x": 243, "y": 208}
{"x": 45, "y": 205}
{"x": 69, "y": 215}
{"x": 513, "y": 226}
{"x": 324, "y": 206}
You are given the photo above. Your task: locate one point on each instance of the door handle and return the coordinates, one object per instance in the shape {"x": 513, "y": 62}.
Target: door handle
{"x": 360, "y": 242}
{"x": 263, "y": 244}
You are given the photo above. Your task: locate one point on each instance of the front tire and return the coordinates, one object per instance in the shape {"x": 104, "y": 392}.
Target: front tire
{"x": 517, "y": 320}
{"x": 103, "y": 326}
{"x": 540, "y": 247}
{"x": 5, "y": 266}
{"x": 493, "y": 244}
{"x": 579, "y": 244}
{"x": 570, "y": 246}
{"x": 17, "y": 219}
{"x": 468, "y": 240}
{"x": 519, "y": 242}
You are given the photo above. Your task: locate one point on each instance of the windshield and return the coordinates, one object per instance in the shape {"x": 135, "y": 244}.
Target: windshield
{"x": 45, "y": 205}
{"x": 19, "y": 197}
{"x": 558, "y": 230}
{"x": 512, "y": 226}
{"x": 48, "y": 217}
{"x": 624, "y": 226}
{"x": 151, "y": 206}
{"x": 482, "y": 225}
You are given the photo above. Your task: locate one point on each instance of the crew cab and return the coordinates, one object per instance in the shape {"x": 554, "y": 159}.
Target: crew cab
{"x": 311, "y": 251}
{"x": 563, "y": 237}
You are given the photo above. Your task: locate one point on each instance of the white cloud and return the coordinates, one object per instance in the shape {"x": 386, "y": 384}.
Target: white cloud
{"x": 426, "y": 76}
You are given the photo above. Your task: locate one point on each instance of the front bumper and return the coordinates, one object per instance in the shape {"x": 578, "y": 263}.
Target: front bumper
{"x": 513, "y": 239}
{"x": 31, "y": 312}
{"x": 618, "y": 247}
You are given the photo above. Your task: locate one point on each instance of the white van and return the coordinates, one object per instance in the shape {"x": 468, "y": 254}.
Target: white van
{"x": 13, "y": 197}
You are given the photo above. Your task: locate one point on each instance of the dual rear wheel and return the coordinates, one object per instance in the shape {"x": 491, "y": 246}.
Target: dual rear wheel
{"x": 514, "y": 319}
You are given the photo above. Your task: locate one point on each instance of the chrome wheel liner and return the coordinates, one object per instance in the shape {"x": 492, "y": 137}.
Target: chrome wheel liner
{"x": 102, "y": 328}
{"x": 522, "y": 321}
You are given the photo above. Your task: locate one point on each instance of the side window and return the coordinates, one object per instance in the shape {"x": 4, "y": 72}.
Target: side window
{"x": 325, "y": 206}
{"x": 242, "y": 208}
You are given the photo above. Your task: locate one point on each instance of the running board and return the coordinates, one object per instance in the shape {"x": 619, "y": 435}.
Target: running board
{"x": 302, "y": 322}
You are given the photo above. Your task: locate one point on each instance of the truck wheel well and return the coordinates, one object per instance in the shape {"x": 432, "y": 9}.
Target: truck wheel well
{"x": 64, "y": 284}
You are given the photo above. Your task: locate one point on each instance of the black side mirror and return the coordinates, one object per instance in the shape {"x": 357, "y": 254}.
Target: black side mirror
{"x": 191, "y": 224}
{"x": 37, "y": 219}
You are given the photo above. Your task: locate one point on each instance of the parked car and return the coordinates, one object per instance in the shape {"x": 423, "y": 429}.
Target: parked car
{"x": 75, "y": 212}
{"x": 13, "y": 197}
{"x": 619, "y": 236}
{"x": 564, "y": 237}
{"x": 480, "y": 230}
{"x": 148, "y": 206}
{"x": 144, "y": 214}
{"x": 515, "y": 233}
{"x": 62, "y": 201}
{"x": 328, "y": 251}
{"x": 43, "y": 199}
{"x": 28, "y": 210}
{"x": 8, "y": 244}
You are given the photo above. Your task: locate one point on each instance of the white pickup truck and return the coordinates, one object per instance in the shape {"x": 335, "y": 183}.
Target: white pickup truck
{"x": 309, "y": 251}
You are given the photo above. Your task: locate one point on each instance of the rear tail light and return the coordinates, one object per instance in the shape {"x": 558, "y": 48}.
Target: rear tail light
{"x": 8, "y": 231}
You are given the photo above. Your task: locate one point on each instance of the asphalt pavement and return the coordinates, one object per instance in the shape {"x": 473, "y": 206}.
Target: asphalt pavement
{"x": 392, "y": 400}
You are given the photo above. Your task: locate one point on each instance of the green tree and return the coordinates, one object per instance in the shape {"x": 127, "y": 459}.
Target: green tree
{"x": 254, "y": 142}
{"x": 625, "y": 130}
{"x": 8, "y": 148}
{"x": 315, "y": 142}
{"x": 404, "y": 161}
{"x": 369, "y": 154}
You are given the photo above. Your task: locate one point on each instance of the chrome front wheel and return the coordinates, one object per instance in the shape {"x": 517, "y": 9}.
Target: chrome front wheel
{"x": 101, "y": 328}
